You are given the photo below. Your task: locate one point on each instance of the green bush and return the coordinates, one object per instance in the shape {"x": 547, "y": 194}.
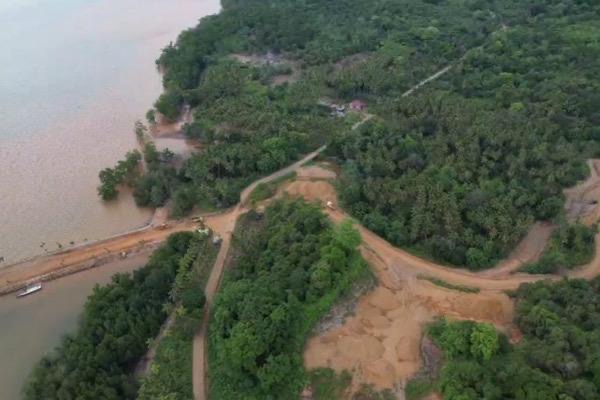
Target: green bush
{"x": 125, "y": 172}
{"x": 169, "y": 104}
{"x": 420, "y": 388}
{"x": 555, "y": 360}
{"x": 326, "y": 384}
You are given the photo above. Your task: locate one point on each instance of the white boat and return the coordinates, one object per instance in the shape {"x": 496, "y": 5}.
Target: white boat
{"x": 29, "y": 289}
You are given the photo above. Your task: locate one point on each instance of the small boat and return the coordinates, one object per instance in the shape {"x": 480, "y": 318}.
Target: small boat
{"x": 29, "y": 289}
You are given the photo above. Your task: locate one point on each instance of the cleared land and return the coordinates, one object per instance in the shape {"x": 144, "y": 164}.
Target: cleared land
{"x": 380, "y": 344}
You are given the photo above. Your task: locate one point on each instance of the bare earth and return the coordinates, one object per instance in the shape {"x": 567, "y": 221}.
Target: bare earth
{"x": 166, "y": 129}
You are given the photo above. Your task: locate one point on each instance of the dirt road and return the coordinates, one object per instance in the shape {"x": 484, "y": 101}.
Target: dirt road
{"x": 427, "y": 80}
{"x": 498, "y": 278}
{"x": 582, "y": 199}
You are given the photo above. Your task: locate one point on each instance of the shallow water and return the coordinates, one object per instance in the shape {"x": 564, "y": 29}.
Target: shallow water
{"x": 74, "y": 76}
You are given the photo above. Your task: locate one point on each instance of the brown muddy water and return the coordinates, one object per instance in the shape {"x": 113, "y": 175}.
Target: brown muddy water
{"x": 74, "y": 76}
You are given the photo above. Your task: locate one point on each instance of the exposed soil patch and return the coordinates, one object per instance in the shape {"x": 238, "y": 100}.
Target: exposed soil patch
{"x": 345, "y": 308}
{"x": 381, "y": 343}
{"x": 315, "y": 172}
{"x": 174, "y": 130}
{"x": 313, "y": 191}
{"x": 582, "y": 200}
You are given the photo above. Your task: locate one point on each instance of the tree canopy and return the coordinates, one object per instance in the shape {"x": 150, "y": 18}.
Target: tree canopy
{"x": 289, "y": 267}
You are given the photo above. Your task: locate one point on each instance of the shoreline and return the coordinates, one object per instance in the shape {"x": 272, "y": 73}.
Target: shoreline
{"x": 70, "y": 248}
{"x": 158, "y": 217}
{"x": 79, "y": 258}
{"x": 82, "y": 257}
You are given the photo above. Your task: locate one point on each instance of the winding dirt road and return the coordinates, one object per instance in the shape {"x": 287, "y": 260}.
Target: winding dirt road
{"x": 380, "y": 342}
{"x": 498, "y": 278}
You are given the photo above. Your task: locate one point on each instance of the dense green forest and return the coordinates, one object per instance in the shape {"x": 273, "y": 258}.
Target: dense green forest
{"x": 494, "y": 140}
{"x": 557, "y": 359}
{"x": 288, "y": 268}
{"x": 252, "y": 127}
{"x": 96, "y": 362}
{"x": 490, "y": 147}
{"x": 453, "y": 178}
{"x": 170, "y": 375}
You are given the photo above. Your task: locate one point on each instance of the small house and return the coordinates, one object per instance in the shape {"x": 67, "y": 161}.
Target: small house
{"x": 358, "y": 105}
{"x": 338, "y": 110}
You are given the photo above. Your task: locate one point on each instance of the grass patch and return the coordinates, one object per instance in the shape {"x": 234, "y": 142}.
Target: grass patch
{"x": 266, "y": 190}
{"x": 368, "y": 392}
{"x": 420, "y": 388}
{"x": 444, "y": 284}
{"x": 327, "y": 385}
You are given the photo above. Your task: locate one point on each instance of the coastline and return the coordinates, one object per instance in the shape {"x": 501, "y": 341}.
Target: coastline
{"x": 39, "y": 264}
{"x": 85, "y": 256}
